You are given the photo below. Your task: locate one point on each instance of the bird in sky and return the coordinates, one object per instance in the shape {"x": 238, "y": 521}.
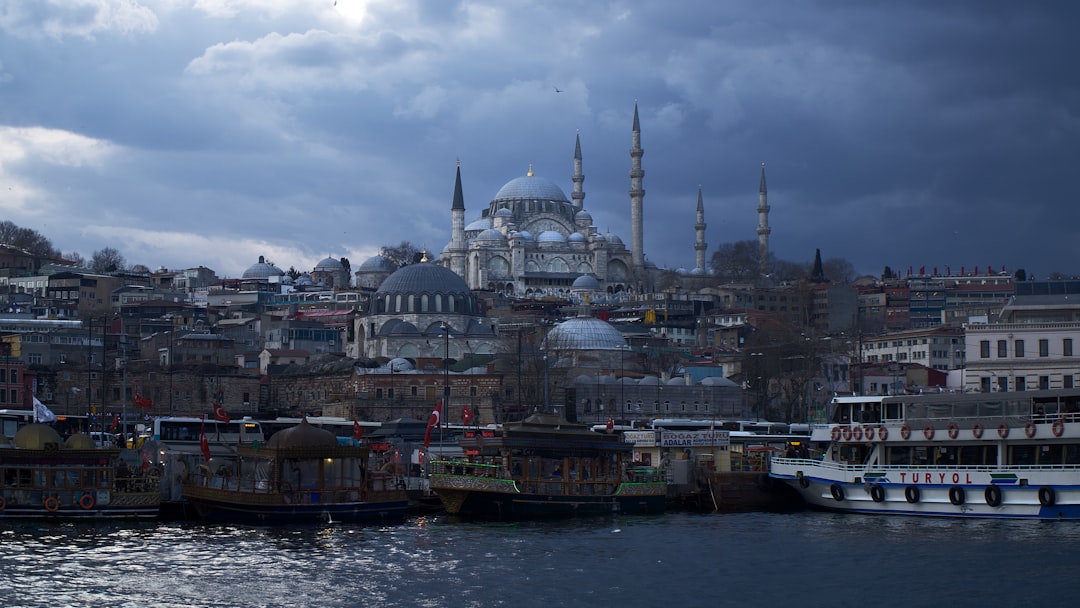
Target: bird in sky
{"x": 558, "y": 90}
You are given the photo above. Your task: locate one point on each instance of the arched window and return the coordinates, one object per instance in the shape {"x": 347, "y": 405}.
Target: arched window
{"x": 424, "y": 303}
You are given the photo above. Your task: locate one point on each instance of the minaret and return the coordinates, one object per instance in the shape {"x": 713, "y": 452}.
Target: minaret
{"x": 637, "y": 194}
{"x": 457, "y": 228}
{"x": 763, "y": 229}
{"x": 578, "y": 195}
{"x": 699, "y": 232}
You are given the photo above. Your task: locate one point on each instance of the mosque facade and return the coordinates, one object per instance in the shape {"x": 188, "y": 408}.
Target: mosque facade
{"x": 532, "y": 240}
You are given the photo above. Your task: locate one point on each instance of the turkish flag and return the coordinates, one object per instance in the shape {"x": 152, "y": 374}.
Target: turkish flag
{"x": 143, "y": 401}
{"x": 115, "y": 424}
{"x": 466, "y": 415}
{"x": 610, "y": 424}
{"x": 203, "y": 443}
{"x": 357, "y": 430}
{"x": 433, "y": 421}
{"x": 219, "y": 413}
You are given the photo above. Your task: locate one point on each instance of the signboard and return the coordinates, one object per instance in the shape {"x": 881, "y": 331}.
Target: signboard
{"x": 694, "y": 439}
{"x": 641, "y": 439}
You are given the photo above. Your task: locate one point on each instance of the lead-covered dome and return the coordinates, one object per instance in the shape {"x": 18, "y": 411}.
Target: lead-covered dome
{"x": 329, "y": 265}
{"x": 424, "y": 277}
{"x": 584, "y": 333}
{"x": 262, "y": 270}
{"x": 377, "y": 263}
{"x": 530, "y": 187}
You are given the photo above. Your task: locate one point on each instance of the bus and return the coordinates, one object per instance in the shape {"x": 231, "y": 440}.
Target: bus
{"x": 189, "y": 429}
{"x": 342, "y": 428}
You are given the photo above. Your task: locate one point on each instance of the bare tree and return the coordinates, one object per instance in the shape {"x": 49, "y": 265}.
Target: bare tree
{"x": 107, "y": 260}
{"x": 736, "y": 262}
{"x": 26, "y": 239}
{"x": 403, "y": 254}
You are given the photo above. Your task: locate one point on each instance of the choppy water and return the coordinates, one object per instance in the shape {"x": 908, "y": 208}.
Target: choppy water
{"x": 802, "y": 559}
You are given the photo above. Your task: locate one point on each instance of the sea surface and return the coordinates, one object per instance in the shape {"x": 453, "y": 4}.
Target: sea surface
{"x": 674, "y": 560}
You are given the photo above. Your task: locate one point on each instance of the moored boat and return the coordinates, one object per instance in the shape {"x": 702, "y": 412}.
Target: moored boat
{"x": 301, "y": 475}
{"x": 44, "y": 477}
{"x": 1014, "y": 455}
{"x": 545, "y": 467}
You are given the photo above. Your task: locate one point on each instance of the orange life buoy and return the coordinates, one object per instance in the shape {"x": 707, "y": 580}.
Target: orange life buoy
{"x": 52, "y": 504}
{"x": 953, "y": 430}
{"x": 87, "y": 501}
{"x": 869, "y": 433}
{"x": 905, "y": 432}
{"x": 856, "y": 433}
{"x": 1058, "y": 428}
{"x": 1003, "y": 430}
{"x": 882, "y": 433}
{"x": 1029, "y": 429}
{"x": 835, "y": 433}
{"x": 977, "y": 431}
{"x": 847, "y": 433}
{"x": 928, "y": 431}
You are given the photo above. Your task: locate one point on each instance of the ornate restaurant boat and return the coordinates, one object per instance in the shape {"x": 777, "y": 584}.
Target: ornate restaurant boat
{"x": 545, "y": 467}
{"x": 974, "y": 455}
{"x": 302, "y": 474}
{"x": 43, "y": 476}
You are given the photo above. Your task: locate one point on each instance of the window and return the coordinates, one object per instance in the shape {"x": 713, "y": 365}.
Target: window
{"x": 1066, "y": 347}
{"x": 984, "y": 385}
{"x": 1018, "y": 348}
{"x": 1044, "y": 383}
{"x": 1003, "y": 384}
{"x": 1003, "y": 349}
{"x": 1067, "y": 381}
{"x": 1021, "y": 383}
{"x": 1044, "y": 347}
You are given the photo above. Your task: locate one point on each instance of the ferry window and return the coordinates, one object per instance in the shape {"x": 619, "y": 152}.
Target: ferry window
{"x": 1003, "y": 349}
{"x": 1044, "y": 347}
{"x": 892, "y": 411}
{"x": 1050, "y": 454}
{"x": 1072, "y": 453}
{"x": 1018, "y": 347}
{"x": 1022, "y": 454}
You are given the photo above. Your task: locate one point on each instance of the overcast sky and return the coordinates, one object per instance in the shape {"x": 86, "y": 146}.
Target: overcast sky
{"x": 210, "y": 132}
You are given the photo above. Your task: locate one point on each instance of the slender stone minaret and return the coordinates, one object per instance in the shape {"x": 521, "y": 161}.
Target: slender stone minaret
{"x": 578, "y": 195}
{"x": 763, "y": 229}
{"x": 699, "y": 234}
{"x": 457, "y": 228}
{"x": 637, "y": 194}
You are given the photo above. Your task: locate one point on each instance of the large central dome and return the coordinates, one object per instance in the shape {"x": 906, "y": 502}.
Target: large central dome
{"x": 530, "y": 187}
{"x": 423, "y": 278}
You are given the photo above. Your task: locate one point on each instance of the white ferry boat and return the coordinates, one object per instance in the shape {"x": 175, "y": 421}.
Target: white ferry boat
{"x": 969, "y": 455}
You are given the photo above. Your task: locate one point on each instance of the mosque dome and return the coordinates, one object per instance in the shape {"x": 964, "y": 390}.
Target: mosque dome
{"x": 613, "y": 239}
{"x": 490, "y": 236}
{"x": 697, "y": 272}
{"x": 504, "y": 212}
{"x": 377, "y": 263}
{"x": 577, "y": 237}
{"x": 302, "y": 435}
{"x": 550, "y": 236}
{"x": 585, "y": 282}
{"x": 599, "y": 238}
{"x": 584, "y": 333}
{"x": 528, "y": 236}
{"x": 304, "y": 280}
{"x": 329, "y": 265}
{"x": 399, "y": 364}
{"x": 262, "y": 270}
{"x": 718, "y": 381}
{"x": 482, "y": 223}
{"x": 583, "y": 216}
{"x": 424, "y": 277}
{"x": 530, "y": 187}
{"x": 36, "y": 437}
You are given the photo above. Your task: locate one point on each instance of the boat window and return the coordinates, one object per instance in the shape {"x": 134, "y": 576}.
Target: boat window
{"x": 1051, "y": 454}
{"x": 966, "y": 410}
{"x": 991, "y": 409}
{"x": 898, "y": 455}
{"x": 1022, "y": 454}
{"x": 1072, "y": 454}
{"x": 893, "y": 411}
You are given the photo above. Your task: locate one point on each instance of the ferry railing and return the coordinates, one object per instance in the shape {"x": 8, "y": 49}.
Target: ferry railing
{"x": 560, "y": 485}
{"x": 859, "y": 468}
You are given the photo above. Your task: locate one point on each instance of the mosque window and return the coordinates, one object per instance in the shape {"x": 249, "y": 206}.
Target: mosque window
{"x": 424, "y": 303}
{"x": 412, "y": 303}
{"x": 451, "y": 304}
{"x": 438, "y": 303}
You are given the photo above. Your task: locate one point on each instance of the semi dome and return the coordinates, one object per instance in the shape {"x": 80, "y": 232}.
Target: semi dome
{"x": 262, "y": 270}
{"x": 302, "y": 435}
{"x": 528, "y": 236}
{"x": 478, "y": 224}
{"x": 399, "y": 364}
{"x": 36, "y": 437}
{"x": 613, "y": 239}
{"x": 585, "y": 282}
{"x": 424, "y": 277}
{"x": 490, "y": 236}
{"x": 584, "y": 333}
{"x": 504, "y": 212}
{"x": 530, "y": 187}
{"x": 550, "y": 236}
{"x": 577, "y": 237}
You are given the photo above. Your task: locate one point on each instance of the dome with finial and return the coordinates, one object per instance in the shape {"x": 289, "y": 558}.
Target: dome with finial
{"x": 262, "y": 270}
{"x": 302, "y": 435}
{"x": 530, "y": 188}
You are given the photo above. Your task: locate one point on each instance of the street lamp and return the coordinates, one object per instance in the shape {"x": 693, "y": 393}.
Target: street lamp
{"x": 446, "y": 369}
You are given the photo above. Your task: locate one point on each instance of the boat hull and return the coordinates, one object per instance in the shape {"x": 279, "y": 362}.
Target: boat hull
{"x": 225, "y": 506}
{"x": 104, "y": 505}
{"x": 501, "y": 500}
{"x": 936, "y": 492}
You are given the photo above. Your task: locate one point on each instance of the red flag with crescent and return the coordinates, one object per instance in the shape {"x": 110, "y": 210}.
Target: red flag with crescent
{"x": 220, "y": 414}
{"x": 433, "y": 421}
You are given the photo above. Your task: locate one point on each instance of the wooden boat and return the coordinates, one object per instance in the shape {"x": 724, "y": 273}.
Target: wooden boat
{"x": 301, "y": 475}
{"x": 45, "y": 477}
{"x": 993, "y": 455}
{"x": 545, "y": 467}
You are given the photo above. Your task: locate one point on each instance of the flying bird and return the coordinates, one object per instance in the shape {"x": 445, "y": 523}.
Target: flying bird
{"x": 558, "y": 90}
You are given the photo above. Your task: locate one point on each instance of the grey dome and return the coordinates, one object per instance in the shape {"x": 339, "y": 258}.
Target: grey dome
{"x": 491, "y": 236}
{"x": 717, "y": 381}
{"x": 478, "y": 224}
{"x": 583, "y": 216}
{"x": 584, "y": 333}
{"x": 377, "y": 263}
{"x": 400, "y": 365}
{"x": 398, "y": 327}
{"x": 424, "y": 277}
{"x": 577, "y": 237}
{"x": 528, "y": 236}
{"x": 585, "y": 282}
{"x": 329, "y": 265}
{"x": 613, "y": 239}
{"x": 504, "y": 212}
{"x": 550, "y": 236}
{"x": 262, "y": 270}
{"x": 530, "y": 187}
{"x": 302, "y": 435}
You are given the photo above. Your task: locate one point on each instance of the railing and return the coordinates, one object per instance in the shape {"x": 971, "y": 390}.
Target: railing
{"x": 859, "y": 468}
